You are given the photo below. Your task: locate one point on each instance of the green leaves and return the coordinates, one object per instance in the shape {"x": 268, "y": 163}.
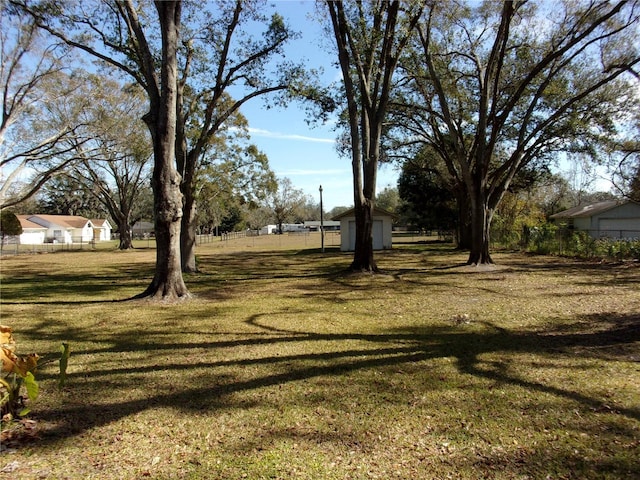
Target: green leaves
{"x": 9, "y": 223}
{"x": 65, "y": 352}
{"x": 33, "y": 390}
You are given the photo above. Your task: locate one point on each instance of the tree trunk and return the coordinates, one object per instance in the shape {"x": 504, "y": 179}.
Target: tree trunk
{"x": 167, "y": 283}
{"x": 463, "y": 240}
{"x": 463, "y": 228}
{"x": 481, "y": 216}
{"x": 126, "y": 240}
{"x": 188, "y": 234}
{"x": 122, "y": 221}
{"x": 363, "y": 260}
{"x": 187, "y": 163}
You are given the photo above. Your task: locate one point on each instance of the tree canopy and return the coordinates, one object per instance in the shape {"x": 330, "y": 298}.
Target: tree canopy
{"x": 9, "y": 223}
{"x": 35, "y": 78}
{"x": 286, "y": 202}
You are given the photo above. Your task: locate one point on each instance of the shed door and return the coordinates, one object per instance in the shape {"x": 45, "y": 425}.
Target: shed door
{"x": 377, "y": 233}
{"x": 352, "y": 236}
{"x": 378, "y": 238}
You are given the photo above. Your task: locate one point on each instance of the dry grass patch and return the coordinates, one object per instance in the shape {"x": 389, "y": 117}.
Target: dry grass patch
{"x": 282, "y": 367}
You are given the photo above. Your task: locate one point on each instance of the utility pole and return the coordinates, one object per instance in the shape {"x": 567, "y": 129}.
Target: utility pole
{"x": 321, "y": 222}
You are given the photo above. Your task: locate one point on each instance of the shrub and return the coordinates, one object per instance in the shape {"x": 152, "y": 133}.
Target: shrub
{"x": 18, "y": 372}
{"x": 548, "y": 239}
{"x": 17, "y": 375}
{"x": 543, "y": 239}
{"x": 581, "y": 244}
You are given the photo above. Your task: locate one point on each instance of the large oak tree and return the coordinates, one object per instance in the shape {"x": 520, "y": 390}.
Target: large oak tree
{"x": 370, "y": 37}
{"x": 114, "y": 164}
{"x": 220, "y": 55}
{"x": 216, "y": 53}
{"x": 497, "y": 86}
{"x": 119, "y": 33}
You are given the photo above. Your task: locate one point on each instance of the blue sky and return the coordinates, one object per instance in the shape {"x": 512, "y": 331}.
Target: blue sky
{"x": 303, "y": 153}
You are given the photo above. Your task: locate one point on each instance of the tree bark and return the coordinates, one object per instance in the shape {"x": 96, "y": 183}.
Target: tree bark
{"x": 187, "y": 187}
{"x": 186, "y": 161}
{"x": 463, "y": 232}
{"x": 463, "y": 228}
{"x": 124, "y": 227}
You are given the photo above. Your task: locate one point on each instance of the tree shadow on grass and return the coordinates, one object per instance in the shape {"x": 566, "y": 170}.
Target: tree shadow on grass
{"x": 605, "y": 336}
{"x": 395, "y": 348}
{"x": 82, "y": 288}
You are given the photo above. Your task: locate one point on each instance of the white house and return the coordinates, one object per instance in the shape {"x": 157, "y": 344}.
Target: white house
{"x": 381, "y": 232}
{"x": 611, "y": 218}
{"x": 101, "y": 229}
{"x": 32, "y": 233}
{"x": 64, "y": 228}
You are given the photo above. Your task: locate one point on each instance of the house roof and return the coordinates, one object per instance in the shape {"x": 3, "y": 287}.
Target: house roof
{"x": 28, "y": 224}
{"x": 68, "y": 221}
{"x": 588, "y": 210}
{"x": 100, "y": 222}
{"x": 376, "y": 211}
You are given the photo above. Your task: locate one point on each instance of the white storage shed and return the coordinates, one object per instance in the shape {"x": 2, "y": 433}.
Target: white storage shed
{"x": 381, "y": 232}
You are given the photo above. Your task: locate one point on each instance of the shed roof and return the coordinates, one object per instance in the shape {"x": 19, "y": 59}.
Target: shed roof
{"x": 588, "y": 210}
{"x": 376, "y": 211}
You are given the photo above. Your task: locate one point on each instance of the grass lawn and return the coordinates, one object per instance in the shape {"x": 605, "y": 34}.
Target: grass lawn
{"x": 283, "y": 367}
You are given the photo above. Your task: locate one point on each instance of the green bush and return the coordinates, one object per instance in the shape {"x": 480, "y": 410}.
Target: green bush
{"x": 544, "y": 239}
{"x": 549, "y": 239}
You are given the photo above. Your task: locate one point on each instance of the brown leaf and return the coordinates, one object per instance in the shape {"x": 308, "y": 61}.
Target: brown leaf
{"x": 9, "y": 360}
{"x": 28, "y": 363}
{"x": 20, "y": 365}
{"x": 6, "y": 338}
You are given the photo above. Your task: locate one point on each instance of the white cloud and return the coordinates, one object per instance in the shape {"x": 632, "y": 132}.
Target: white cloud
{"x": 259, "y": 132}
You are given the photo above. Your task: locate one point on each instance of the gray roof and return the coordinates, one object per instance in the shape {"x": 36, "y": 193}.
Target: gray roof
{"x": 588, "y": 210}
{"x": 379, "y": 212}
